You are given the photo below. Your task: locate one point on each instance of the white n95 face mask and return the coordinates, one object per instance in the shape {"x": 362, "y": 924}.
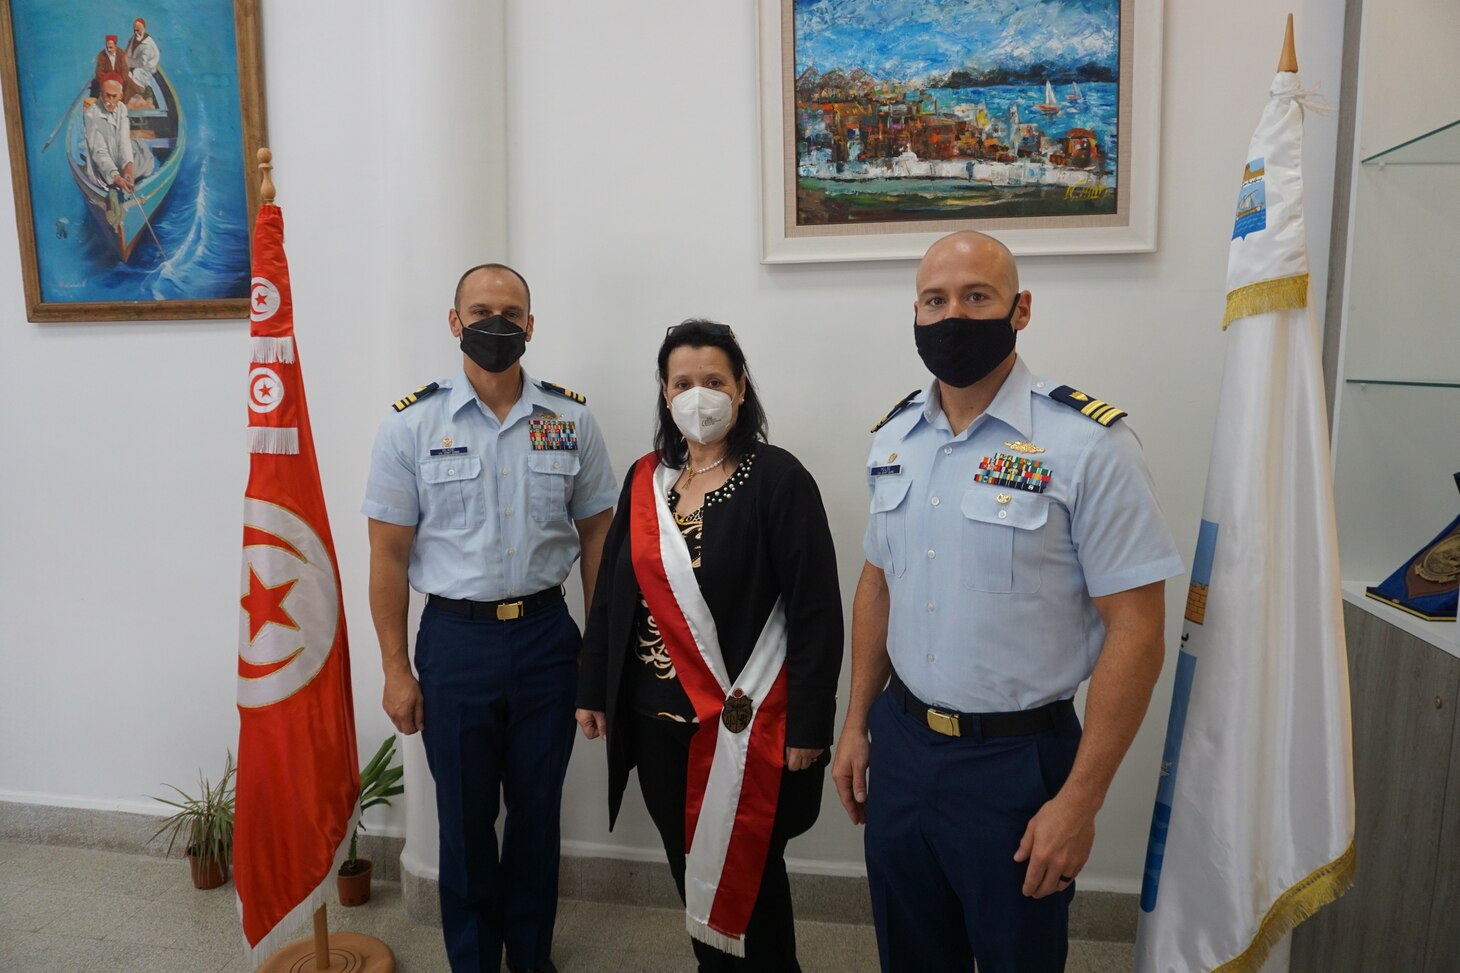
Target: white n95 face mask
{"x": 702, "y": 414}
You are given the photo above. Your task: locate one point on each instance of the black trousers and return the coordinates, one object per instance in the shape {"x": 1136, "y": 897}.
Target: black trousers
{"x": 944, "y": 818}
{"x": 661, "y": 753}
{"x": 499, "y": 730}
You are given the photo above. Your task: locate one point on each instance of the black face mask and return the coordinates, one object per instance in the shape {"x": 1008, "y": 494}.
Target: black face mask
{"x": 494, "y": 343}
{"x": 960, "y": 351}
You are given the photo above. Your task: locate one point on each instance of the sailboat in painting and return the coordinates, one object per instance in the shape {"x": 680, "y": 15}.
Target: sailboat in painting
{"x": 1074, "y": 97}
{"x": 1050, "y": 106}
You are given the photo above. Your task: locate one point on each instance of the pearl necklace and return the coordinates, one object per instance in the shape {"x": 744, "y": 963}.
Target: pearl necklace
{"x": 704, "y": 469}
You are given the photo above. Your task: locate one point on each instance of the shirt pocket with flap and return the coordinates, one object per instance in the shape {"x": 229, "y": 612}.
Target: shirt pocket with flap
{"x": 1003, "y": 543}
{"x": 889, "y": 521}
{"x": 451, "y": 492}
{"x": 549, "y": 483}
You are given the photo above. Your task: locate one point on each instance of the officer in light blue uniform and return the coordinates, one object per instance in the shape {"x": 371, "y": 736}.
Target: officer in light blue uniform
{"x": 483, "y": 491}
{"x": 1015, "y": 546}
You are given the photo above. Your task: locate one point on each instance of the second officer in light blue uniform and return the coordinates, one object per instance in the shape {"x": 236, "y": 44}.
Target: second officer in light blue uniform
{"x": 483, "y": 491}
{"x": 1015, "y": 546}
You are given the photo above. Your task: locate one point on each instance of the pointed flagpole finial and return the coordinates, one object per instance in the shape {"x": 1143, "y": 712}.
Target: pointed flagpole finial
{"x": 1289, "y": 60}
{"x": 266, "y": 164}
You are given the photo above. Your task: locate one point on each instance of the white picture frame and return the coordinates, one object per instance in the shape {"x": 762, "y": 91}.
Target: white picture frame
{"x": 1130, "y": 229}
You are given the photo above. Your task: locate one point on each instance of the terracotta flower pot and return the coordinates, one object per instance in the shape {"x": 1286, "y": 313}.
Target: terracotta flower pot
{"x": 207, "y": 873}
{"x": 354, "y": 885}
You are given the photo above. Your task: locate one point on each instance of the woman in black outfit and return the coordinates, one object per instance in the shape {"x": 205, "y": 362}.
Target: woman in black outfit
{"x": 757, "y": 540}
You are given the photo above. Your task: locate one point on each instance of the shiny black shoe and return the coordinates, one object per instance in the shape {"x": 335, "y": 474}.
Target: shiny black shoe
{"x": 514, "y": 968}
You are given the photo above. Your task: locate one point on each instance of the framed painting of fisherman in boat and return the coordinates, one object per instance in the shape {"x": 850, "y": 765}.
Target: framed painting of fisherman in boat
{"x": 887, "y": 124}
{"x": 129, "y": 124}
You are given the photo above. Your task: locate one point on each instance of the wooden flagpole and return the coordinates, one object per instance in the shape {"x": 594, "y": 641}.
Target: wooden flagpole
{"x": 1289, "y": 60}
{"x": 347, "y": 951}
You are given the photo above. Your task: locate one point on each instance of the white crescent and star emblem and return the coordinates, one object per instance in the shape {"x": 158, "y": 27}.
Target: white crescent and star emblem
{"x": 263, "y": 301}
{"x": 290, "y": 605}
{"x": 265, "y": 390}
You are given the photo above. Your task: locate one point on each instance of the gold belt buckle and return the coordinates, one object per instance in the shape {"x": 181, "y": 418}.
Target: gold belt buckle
{"x": 509, "y": 612}
{"x": 944, "y": 723}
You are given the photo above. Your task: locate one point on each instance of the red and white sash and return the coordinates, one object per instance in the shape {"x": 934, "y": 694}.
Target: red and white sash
{"x": 734, "y": 778}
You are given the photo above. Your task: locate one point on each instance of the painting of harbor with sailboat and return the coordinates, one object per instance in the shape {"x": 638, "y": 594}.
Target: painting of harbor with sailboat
{"x": 920, "y": 110}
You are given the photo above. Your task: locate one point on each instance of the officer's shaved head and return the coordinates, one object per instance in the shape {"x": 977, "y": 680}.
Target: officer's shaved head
{"x": 992, "y": 258}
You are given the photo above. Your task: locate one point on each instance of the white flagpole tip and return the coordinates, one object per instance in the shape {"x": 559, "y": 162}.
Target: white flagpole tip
{"x": 1289, "y": 60}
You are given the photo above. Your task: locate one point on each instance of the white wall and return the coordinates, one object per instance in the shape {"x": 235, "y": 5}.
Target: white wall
{"x": 632, "y": 164}
{"x": 634, "y": 203}
{"x": 119, "y": 584}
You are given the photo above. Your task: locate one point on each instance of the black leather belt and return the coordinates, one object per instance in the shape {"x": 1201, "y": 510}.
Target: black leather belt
{"x": 981, "y": 725}
{"x": 502, "y": 611}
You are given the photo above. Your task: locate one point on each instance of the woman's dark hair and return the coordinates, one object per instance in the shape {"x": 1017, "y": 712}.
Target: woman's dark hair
{"x": 749, "y": 426}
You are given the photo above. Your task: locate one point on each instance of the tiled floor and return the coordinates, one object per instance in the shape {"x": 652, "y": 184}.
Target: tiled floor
{"x": 67, "y": 910}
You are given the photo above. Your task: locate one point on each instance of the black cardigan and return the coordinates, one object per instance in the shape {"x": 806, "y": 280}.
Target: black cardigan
{"x": 770, "y": 538}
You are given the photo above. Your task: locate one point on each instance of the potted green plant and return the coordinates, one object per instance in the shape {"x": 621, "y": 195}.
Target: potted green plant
{"x": 379, "y": 782}
{"x": 205, "y": 823}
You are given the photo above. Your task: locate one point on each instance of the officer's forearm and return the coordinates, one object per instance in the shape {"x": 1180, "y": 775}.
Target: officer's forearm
{"x": 591, "y": 532}
{"x": 871, "y": 667}
{"x": 1120, "y": 688}
{"x": 390, "y": 548}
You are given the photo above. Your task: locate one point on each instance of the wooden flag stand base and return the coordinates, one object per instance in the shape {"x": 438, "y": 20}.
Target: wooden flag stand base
{"x": 345, "y": 952}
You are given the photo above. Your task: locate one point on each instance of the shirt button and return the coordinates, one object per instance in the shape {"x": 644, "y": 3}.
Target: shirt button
{"x": 1039, "y": 385}
{"x": 557, "y": 465}
{"x": 932, "y": 554}
{"x": 504, "y": 471}
{"x": 451, "y": 471}
{"x": 947, "y": 450}
{"x": 511, "y": 551}
{"x": 1003, "y": 514}
{"x": 934, "y": 501}
{"x": 931, "y": 657}
{"x": 930, "y": 606}
{"x": 508, "y": 511}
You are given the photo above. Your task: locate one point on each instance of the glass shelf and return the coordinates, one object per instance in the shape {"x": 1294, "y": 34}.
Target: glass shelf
{"x": 1411, "y": 385}
{"x": 1437, "y": 148}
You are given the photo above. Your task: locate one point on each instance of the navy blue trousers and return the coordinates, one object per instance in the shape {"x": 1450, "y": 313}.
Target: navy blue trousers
{"x": 499, "y": 729}
{"x": 944, "y": 818}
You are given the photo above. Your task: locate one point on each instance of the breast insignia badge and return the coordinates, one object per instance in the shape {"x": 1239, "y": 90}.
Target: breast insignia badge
{"x": 1025, "y": 447}
{"x": 736, "y": 712}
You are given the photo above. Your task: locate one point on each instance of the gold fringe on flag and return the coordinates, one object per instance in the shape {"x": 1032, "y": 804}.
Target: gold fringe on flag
{"x": 1300, "y": 902}
{"x": 1280, "y": 294}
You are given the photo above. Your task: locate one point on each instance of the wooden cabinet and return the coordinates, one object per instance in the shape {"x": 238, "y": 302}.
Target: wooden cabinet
{"x": 1403, "y": 913}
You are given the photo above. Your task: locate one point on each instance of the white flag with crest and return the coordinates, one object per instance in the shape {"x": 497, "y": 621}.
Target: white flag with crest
{"x": 1254, "y": 820}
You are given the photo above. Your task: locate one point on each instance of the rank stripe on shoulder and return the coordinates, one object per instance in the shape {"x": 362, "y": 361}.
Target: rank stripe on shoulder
{"x": 896, "y": 409}
{"x": 402, "y": 405}
{"x": 1100, "y": 411}
{"x": 565, "y": 393}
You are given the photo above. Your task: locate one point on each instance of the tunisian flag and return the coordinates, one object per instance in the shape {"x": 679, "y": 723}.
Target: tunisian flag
{"x": 298, "y": 776}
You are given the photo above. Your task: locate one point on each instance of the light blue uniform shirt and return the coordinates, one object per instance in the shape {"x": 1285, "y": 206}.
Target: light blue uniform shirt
{"x": 991, "y": 586}
{"x": 493, "y": 516}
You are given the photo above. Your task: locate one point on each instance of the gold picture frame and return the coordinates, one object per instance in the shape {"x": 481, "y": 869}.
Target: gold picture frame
{"x": 175, "y": 245}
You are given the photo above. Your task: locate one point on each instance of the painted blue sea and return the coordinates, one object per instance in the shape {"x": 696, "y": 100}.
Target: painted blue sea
{"x": 201, "y": 248}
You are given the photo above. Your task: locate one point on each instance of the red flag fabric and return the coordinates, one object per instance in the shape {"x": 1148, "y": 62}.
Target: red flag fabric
{"x": 298, "y": 771}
